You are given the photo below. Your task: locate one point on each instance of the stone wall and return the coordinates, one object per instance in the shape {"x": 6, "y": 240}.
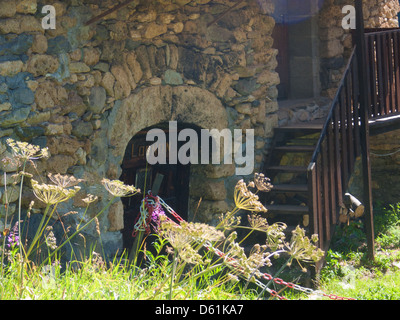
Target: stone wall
{"x": 84, "y": 91}
{"x": 336, "y": 43}
{"x": 385, "y": 167}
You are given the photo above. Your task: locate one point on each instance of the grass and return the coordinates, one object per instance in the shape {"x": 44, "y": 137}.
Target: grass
{"x": 203, "y": 262}
{"x": 194, "y": 268}
{"x": 95, "y": 279}
{"x": 349, "y": 273}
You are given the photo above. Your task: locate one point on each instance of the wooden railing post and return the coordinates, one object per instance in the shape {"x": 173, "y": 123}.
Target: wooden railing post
{"x": 364, "y": 134}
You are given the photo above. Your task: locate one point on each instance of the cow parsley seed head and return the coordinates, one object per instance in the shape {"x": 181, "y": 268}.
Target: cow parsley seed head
{"x": 52, "y": 194}
{"x": 50, "y": 238}
{"x": 202, "y": 232}
{"x": 118, "y": 189}
{"x": 301, "y": 248}
{"x": 245, "y": 199}
{"x": 64, "y": 181}
{"x": 25, "y": 151}
{"x": 262, "y": 182}
{"x": 89, "y": 199}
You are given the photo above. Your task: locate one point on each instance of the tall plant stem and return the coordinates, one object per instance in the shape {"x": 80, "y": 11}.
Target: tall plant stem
{"x": 173, "y": 273}
{"x": 276, "y": 275}
{"x": 19, "y": 229}
{"x": 137, "y": 243}
{"x": 20, "y": 206}
{"x": 83, "y": 227}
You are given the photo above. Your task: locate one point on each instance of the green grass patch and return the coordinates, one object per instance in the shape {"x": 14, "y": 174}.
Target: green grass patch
{"x": 348, "y": 271}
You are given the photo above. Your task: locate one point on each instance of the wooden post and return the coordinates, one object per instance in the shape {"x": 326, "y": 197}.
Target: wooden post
{"x": 364, "y": 128}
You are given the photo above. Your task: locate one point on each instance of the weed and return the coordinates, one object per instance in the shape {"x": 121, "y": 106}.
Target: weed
{"x": 204, "y": 262}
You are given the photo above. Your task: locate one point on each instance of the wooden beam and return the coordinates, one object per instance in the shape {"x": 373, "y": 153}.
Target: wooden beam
{"x": 353, "y": 204}
{"x": 364, "y": 128}
{"x": 225, "y": 12}
{"x": 109, "y": 11}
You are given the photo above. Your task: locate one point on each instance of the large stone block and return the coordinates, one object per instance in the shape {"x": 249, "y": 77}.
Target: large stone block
{"x": 15, "y": 116}
{"x": 207, "y": 189}
{"x": 42, "y": 64}
{"x": 116, "y": 217}
{"x": 97, "y": 99}
{"x": 17, "y": 46}
{"x": 8, "y": 8}
{"x": 10, "y": 68}
{"x": 26, "y": 6}
{"x": 60, "y": 163}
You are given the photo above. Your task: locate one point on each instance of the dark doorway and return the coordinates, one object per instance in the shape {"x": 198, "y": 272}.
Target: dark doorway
{"x": 281, "y": 42}
{"x": 174, "y": 189}
{"x": 296, "y": 38}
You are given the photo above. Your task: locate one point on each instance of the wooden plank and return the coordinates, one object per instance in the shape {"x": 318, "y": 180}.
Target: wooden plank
{"x": 385, "y": 72}
{"x": 332, "y": 178}
{"x": 373, "y": 63}
{"x": 290, "y": 188}
{"x": 368, "y": 70}
{"x": 384, "y": 124}
{"x": 295, "y": 148}
{"x": 325, "y": 188}
{"x": 343, "y": 140}
{"x": 287, "y": 209}
{"x": 349, "y": 121}
{"x": 367, "y": 197}
{"x": 311, "y": 126}
{"x": 337, "y": 157}
{"x": 109, "y": 11}
{"x": 356, "y": 106}
{"x": 313, "y": 198}
{"x": 295, "y": 169}
{"x": 319, "y": 202}
{"x": 396, "y": 53}
{"x": 381, "y": 93}
{"x": 391, "y": 73}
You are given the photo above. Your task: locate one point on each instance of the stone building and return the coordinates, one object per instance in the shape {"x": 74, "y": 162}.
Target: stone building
{"x": 91, "y": 91}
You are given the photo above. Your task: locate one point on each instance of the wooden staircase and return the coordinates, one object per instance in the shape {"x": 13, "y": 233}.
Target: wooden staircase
{"x": 286, "y": 166}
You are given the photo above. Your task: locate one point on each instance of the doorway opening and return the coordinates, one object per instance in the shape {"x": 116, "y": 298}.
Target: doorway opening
{"x": 171, "y": 181}
{"x": 296, "y": 38}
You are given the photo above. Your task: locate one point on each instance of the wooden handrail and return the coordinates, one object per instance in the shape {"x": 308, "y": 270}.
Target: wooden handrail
{"x": 332, "y": 108}
{"x": 338, "y": 146}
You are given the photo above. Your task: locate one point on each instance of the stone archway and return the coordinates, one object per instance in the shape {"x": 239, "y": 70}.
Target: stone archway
{"x": 159, "y": 104}
{"x": 186, "y": 104}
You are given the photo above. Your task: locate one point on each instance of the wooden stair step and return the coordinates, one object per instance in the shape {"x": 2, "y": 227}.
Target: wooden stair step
{"x": 290, "y": 188}
{"x": 313, "y": 125}
{"x": 296, "y": 169}
{"x": 295, "y": 148}
{"x": 287, "y": 209}
{"x": 299, "y": 129}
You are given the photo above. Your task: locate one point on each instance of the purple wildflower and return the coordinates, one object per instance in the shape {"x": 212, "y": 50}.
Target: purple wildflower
{"x": 12, "y": 238}
{"x": 156, "y": 216}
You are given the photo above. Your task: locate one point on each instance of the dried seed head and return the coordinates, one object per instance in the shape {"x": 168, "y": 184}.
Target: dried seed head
{"x": 64, "y": 181}
{"x": 301, "y": 248}
{"x": 51, "y": 240}
{"x": 51, "y": 194}
{"x": 89, "y": 199}
{"x": 26, "y": 151}
{"x": 118, "y": 189}
{"x": 262, "y": 183}
{"x": 245, "y": 199}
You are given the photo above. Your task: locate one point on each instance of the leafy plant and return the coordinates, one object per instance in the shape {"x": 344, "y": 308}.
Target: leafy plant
{"x": 191, "y": 260}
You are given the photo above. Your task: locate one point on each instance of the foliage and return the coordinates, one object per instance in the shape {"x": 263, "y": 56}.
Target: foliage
{"x": 192, "y": 260}
{"x": 349, "y": 272}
